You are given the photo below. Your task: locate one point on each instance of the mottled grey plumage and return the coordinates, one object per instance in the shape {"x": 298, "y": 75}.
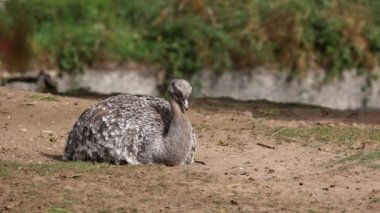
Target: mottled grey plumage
{"x": 135, "y": 130}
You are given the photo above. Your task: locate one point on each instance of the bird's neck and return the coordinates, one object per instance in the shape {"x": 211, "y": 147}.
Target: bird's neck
{"x": 177, "y": 142}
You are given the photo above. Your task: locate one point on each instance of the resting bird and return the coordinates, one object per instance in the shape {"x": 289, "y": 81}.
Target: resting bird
{"x": 128, "y": 129}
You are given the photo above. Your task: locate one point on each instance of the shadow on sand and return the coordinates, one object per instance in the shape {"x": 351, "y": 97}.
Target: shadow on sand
{"x": 52, "y": 156}
{"x": 288, "y": 111}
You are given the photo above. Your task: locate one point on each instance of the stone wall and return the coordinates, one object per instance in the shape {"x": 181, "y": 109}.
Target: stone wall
{"x": 350, "y": 91}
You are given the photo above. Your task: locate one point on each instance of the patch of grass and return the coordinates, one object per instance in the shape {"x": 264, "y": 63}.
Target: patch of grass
{"x": 326, "y": 134}
{"x": 375, "y": 166}
{"x": 269, "y": 112}
{"x": 57, "y": 210}
{"x": 375, "y": 200}
{"x": 44, "y": 97}
{"x": 48, "y": 168}
{"x": 9, "y": 167}
{"x": 366, "y": 158}
{"x": 201, "y": 126}
{"x": 5, "y": 170}
{"x": 105, "y": 211}
{"x": 201, "y": 176}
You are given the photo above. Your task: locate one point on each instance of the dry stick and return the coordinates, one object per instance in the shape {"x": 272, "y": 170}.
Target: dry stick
{"x": 233, "y": 185}
{"x": 266, "y": 146}
{"x": 200, "y": 162}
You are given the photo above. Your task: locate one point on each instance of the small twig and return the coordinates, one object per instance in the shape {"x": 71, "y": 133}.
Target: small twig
{"x": 27, "y": 104}
{"x": 232, "y": 185}
{"x": 266, "y": 146}
{"x": 72, "y": 176}
{"x": 76, "y": 176}
{"x": 200, "y": 162}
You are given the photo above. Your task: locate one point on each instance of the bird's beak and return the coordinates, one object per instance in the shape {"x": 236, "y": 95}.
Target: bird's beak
{"x": 186, "y": 104}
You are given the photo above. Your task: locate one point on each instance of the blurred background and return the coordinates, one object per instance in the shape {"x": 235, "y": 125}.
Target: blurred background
{"x": 319, "y": 52}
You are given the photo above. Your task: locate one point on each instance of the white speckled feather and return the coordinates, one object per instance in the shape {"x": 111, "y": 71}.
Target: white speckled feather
{"x": 125, "y": 129}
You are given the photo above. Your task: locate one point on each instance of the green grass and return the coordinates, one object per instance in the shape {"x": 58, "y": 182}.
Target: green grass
{"x": 270, "y": 112}
{"x": 375, "y": 200}
{"x": 7, "y": 168}
{"x": 371, "y": 159}
{"x": 325, "y": 134}
{"x": 44, "y": 97}
{"x": 364, "y": 157}
{"x": 55, "y": 186}
{"x": 57, "y": 210}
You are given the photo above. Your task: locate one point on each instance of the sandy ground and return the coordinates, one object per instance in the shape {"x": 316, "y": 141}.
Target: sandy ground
{"x": 302, "y": 169}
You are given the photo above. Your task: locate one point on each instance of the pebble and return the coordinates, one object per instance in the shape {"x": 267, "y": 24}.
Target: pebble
{"x": 248, "y": 113}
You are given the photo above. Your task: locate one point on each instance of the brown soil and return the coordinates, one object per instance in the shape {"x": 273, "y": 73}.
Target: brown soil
{"x": 303, "y": 174}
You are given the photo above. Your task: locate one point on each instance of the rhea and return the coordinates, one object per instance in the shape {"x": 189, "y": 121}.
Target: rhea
{"x": 128, "y": 129}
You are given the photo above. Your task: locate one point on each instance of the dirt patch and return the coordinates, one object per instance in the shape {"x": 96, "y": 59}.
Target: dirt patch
{"x": 323, "y": 160}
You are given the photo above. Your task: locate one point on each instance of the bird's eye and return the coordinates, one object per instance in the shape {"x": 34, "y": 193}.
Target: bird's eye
{"x": 178, "y": 95}
{"x": 176, "y": 90}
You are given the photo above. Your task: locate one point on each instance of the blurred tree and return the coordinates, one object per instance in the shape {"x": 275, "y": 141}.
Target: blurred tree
{"x": 186, "y": 36}
{"x": 15, "y": 48}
